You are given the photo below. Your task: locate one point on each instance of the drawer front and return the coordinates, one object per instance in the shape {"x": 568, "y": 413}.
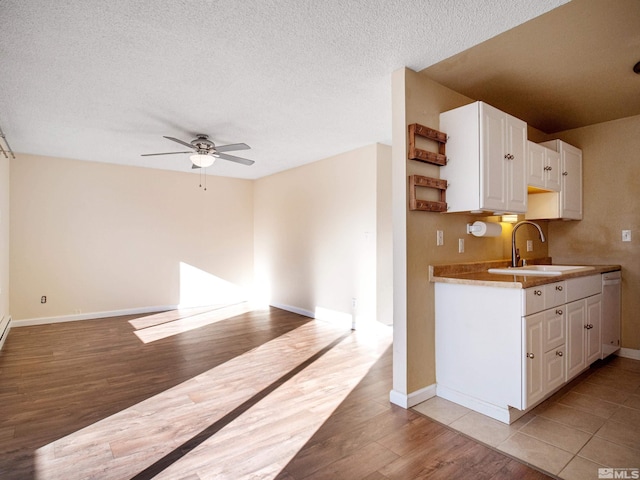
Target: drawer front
{"x": 534, "y": 300}
{"x": 543, "y": 297}
{"x": 583, "y": 287}
{"x": 555, "y": 294}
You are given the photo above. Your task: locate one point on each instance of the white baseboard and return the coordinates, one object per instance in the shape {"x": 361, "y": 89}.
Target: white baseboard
{"x": 292, "y": 309}
{"x": 5, "y": 326}
{"x": 629, "y": 353}
{"x": 505, "y": 415}
{"x": 412, "y": 399}
{"x": 90, "y": 316}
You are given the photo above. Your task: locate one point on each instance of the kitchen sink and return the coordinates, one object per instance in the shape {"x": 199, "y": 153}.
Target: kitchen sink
{"x": 540, "y": 270}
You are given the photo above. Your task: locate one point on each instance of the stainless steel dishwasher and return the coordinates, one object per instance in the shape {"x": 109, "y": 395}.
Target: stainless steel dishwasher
{"x": 611, "y": 295}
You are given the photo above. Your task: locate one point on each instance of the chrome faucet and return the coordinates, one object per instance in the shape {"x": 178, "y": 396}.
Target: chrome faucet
{"x": 515, "y": 252}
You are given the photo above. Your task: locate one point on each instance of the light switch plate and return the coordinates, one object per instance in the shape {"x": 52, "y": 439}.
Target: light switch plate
{"x": 461, "y": 245}
{"x": 626, "y": 235}
{"x": 439, "y": 238}
{"x": 529, "y": 245}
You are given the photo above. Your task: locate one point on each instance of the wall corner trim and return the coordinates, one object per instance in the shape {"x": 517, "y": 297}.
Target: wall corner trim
{"x": 292, "y": 309}
{"x": 92, "y": 316}
{"x": 413, "y": 398}
{"x": 5, "y": 326}
{"x": 629, "y": 353}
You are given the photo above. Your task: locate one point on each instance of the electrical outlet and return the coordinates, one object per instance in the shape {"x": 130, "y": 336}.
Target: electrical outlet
{"x": 354, "y": 303}
{"x": 43, "y": 299}
{"x": 461, "y": 245}
{"x": 439, "y": 238}
{"x": 529, "y": 245}
{"x": 626, "y": 235}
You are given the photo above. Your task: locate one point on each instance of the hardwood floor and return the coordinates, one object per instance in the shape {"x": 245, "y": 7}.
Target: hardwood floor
{"x": 226, "y": 393}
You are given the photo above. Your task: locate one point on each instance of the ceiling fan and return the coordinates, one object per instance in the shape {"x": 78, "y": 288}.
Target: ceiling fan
{"x": 205, "y": 151}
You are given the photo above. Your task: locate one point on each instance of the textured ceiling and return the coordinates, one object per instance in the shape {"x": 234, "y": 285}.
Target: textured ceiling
{"x": 568, "y": 68}
{"x": 296, "y": 80}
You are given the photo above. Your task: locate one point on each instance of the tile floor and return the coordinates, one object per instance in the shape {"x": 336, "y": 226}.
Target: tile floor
{"x": 592, "y": 423}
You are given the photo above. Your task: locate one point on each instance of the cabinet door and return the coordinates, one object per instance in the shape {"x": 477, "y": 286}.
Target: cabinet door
{"x": 554, "y": 369}
{"x": 493, "y": 168}
{"x": 593, "y": 340}
{"x": 553, "y": 170}
{"x": 554, "y": 328}
{"x": 516, "y": 156}
{"x": 535, "y": 165}
{"x": 571, "y": 190}
{"x": 532, "y": 367}
{"x": 576, "y": 313}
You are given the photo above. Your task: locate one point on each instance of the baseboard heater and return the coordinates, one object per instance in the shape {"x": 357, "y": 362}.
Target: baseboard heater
{"x": 4, "y": 329}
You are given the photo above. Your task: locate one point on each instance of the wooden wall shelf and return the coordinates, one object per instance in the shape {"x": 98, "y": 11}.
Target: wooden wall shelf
{"x": 426, "y": 205}
{"x": 421, "y": 155}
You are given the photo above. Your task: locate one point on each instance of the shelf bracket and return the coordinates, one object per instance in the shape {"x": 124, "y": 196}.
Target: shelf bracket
{"x": 426, "y": 205}
{"x": 440, "y": 158}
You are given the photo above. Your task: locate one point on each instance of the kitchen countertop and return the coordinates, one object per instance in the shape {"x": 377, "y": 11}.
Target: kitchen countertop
{"x": 476, "y": 274}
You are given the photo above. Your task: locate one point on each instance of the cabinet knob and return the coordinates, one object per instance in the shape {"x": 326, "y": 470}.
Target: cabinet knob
{"x": 558, "y": 312}
{"x": 564, "y": 174}
{"x": 530, "y": 355}
{"x": 508, "y": 156}
{"x": 559, "y": 288}
{"x": 588, "y": 326}
{"x": 537, "y": 292}
{"x": 559, "y": 353}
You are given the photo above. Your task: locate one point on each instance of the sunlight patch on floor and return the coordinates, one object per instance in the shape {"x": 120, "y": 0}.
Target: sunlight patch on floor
{"x": 168, "y": 328}
{"x": 258, "y": 444}
{"x": 170, "y": 316}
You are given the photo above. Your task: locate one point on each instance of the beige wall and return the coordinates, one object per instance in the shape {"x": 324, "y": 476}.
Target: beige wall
{"x": 4, "y": 238}
{"x": 384, "y": 229}
{"x": 315, "y": 235}
{"x": 611, "y": 183}
{"x": 97, "y": 237}
{"x": 417, "y": 99}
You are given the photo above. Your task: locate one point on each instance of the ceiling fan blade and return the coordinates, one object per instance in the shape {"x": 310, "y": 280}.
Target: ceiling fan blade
{"x": 179, "y": 141}
{"x": 167, "y": 153}
{"x": 231, "y": 158}
{"x": 233, "y": 146}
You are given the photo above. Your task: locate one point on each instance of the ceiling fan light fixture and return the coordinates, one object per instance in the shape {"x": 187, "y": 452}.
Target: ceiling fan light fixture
{"x": 202, "y": 160}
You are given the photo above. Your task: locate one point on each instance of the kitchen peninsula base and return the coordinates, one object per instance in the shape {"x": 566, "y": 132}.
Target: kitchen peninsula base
{"x": 505, "y": 343}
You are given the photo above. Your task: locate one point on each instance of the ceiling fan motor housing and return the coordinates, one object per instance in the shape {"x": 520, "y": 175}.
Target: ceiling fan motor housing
{"x": 202, "y": 142}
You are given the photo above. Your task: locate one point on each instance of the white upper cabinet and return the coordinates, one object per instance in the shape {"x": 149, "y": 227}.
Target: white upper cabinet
{"x": 487, "y": 164}
{"x": 543, "y": 167}
{"x": 567, "y": 204}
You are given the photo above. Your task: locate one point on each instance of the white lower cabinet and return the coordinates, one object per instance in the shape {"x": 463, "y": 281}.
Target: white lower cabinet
{"x": 593, "y": 340}
{"x": 532, "y": 367}
{"x": 544, "y": 364}
{"x": 500, "y": 351}
{"x": 583, "y": 334}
